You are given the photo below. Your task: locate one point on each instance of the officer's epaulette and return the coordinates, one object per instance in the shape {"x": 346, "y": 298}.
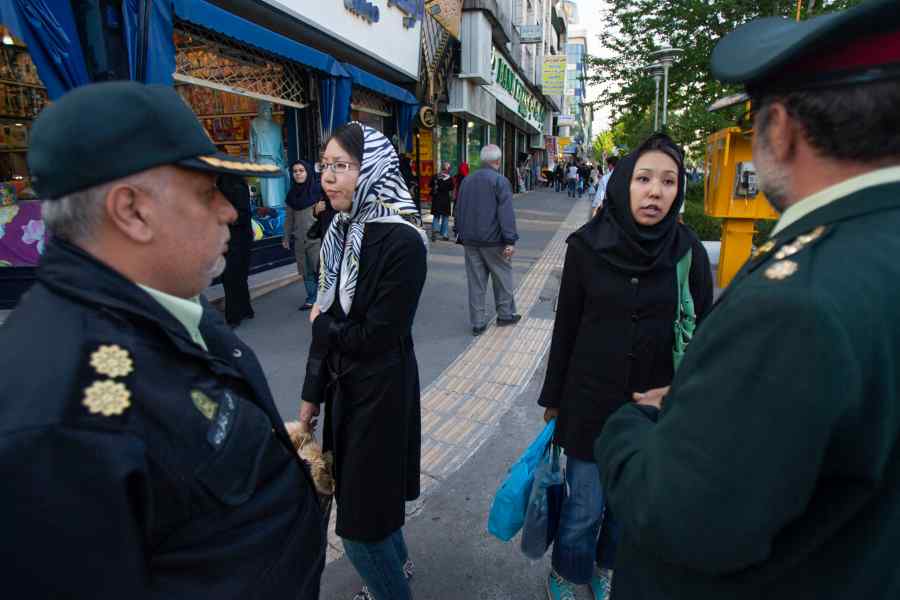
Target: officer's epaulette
{"x": 777, "y": 254}
{"x": 105, "y": 376}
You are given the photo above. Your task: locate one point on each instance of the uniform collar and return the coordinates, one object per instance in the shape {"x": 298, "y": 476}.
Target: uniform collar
{"x": 828, "y": 195}
{"x": 188, "y": 312}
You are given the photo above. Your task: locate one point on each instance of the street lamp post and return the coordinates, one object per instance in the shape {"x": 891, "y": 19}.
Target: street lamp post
{"x": 656, "y": 71}
{"x": 665, "y": 57}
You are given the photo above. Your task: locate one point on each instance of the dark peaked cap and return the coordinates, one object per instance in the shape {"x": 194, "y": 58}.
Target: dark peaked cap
{"x": 858, "y": 45}
{"x": 105, "y": 131}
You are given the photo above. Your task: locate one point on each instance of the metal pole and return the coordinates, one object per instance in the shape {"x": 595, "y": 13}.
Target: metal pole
{"x": 656, "y": 105}
{"x": 665, "y": 119}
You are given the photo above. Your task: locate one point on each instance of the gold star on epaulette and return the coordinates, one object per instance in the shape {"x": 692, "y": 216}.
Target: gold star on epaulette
{"x": 781, "y": 270}
{"x": 112, "y": 361}
{"x": 107, "y": 398}
{"x": 764, "y": 249}
{"x": 800, "y": 242}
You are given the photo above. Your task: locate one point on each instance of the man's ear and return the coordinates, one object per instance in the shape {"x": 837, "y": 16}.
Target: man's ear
{"x": 781, "y": 132}
{"x": 130, "y": 211}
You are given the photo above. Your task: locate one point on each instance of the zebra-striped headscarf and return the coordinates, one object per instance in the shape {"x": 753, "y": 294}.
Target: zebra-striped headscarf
{"x": 380, "y": 197}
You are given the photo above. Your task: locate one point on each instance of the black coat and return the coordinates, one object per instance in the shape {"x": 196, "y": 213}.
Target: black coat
{"x": 237, "y": 265}
{"x": 363, "y": 367}
{"x": 613, "y": 336}
{"x": 441, "y": 193}
{"x": 193, "y": 490}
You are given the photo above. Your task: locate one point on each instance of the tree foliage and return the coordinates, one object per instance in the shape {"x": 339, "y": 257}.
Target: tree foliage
{"x": 604, "y": 145}
{"x": 635, "y": 28}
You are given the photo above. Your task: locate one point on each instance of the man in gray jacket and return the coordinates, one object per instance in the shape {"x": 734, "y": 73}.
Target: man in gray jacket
{"x": 486, "y": 226}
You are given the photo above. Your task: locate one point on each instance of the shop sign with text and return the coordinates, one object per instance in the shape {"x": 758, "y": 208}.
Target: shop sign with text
{"x": 528, "y": 105}
{"x": 553, "y": 75}
{"x": 388, "y": 31}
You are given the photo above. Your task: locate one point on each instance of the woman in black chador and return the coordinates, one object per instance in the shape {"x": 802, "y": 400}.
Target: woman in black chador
{"x": 237, "y": 266}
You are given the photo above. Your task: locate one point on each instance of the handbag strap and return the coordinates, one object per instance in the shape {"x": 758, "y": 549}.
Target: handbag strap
{"x": 685, "y": 316}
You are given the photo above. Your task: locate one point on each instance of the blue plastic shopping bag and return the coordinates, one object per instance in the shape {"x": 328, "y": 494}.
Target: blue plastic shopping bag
{"x": 544, "y": 505}
{"x": 511, "y": 500}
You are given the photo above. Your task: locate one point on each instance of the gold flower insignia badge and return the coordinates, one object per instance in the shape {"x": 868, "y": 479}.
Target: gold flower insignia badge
{"x": 112, "y": 361}
{"x": 107, "y": 398}
{"x": 781, "y": 270}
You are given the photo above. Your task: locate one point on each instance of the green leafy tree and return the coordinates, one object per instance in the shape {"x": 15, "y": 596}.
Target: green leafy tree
{"x": 635, "y": 28}
{"x": 604, "y": 145}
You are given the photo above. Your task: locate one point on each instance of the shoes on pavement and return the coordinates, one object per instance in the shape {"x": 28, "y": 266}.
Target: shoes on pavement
{"x": 557, "y": 587}
{"x": 601, "y": 583}
{"x": 364, "y": 594}
{"x": 409, "y": 569}
{"x": 476, "y": 331}
{"x": 446, "y": 238}
{"x": 306, "y": 306}
{"x": 510, "y": 321}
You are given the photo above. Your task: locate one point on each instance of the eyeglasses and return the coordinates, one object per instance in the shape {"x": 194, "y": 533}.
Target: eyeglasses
{"x": 336, "y": 167}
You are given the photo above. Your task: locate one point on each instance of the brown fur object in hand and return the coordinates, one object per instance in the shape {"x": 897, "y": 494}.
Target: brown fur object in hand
{"x": 320, "y": 464}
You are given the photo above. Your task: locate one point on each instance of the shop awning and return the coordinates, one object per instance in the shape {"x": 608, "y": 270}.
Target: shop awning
{"x": 379, "y": 85}
{"x": 206, "y": 15}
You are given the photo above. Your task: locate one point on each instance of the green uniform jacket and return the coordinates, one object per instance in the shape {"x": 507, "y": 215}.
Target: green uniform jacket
{"x": 774, "y": 469}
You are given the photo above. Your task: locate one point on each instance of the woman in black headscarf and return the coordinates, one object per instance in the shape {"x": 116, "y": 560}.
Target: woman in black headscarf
{"x": 305, "y": 200}
{"x": 614, "y": 336}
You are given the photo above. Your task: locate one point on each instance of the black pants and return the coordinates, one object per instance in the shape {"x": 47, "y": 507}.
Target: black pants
{"x": 234, "y": 279}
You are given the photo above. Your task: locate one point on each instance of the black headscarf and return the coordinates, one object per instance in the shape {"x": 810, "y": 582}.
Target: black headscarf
{"x": 303, "y": 195}
{"x": 619, "y": 239}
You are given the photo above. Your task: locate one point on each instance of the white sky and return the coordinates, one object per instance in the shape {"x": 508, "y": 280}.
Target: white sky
{"x": 592, "y": 21}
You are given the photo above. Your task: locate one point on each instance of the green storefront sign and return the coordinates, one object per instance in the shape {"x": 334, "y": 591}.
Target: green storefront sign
{"x": 506, "y": 77}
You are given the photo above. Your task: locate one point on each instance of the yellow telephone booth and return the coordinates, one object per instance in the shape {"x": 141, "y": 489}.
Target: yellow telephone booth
{"x": 732, "y": 193}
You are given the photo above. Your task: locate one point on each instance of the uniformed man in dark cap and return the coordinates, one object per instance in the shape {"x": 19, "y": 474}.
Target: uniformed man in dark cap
{"x": 773, "y": 471}
{"x": 141, "y": 453}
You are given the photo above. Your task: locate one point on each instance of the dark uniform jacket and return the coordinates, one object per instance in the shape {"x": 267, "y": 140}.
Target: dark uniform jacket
{"x": 134, "y": 463}
{"x": 613, "y": 336}
{"x": 363, "y": 367}
{"x": 774, "y": 470}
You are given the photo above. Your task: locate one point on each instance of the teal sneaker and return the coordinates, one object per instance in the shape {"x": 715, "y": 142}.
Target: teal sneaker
{"x": 558, "y": 588}
{"x": 601, "y": 583}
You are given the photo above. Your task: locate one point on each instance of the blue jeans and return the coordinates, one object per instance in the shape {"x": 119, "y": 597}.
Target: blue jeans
{"x": 380, "y": 564}
{"x": 571, "y": 187}
{"x": 441, "y": 223}
{"x": 577, "y": 547}
{"x": 311, "y": 283}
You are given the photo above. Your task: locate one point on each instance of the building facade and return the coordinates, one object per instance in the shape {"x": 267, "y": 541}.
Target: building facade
{"x": 268, "y": 80}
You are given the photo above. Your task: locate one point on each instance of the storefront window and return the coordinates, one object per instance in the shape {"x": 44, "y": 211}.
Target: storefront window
{"x": 367, "y": 118}
{"x": 447, "y": 148}
{"x": 22, "y": 97}
{"x": 475, "y": 141}
{"x": 491, "y": 136}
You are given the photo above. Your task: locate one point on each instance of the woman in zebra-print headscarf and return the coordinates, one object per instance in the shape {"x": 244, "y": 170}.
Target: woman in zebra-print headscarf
{"x": 361, "y": 363}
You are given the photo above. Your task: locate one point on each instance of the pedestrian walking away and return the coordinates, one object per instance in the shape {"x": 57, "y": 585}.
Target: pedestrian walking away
{"x": 304, "y": 201}
{"x": 237, "y": 259}
{"x": 599, "y": 196}
{"x": 441, "y": 194}
{"x": 150, "y": 462}
{"x": 362, "y": 365}
{"x": 559, "y": 177}
{"x": 614, "y": 336}
{"x": 773, "y": 468}
{"x": 572, "y": 179}
{"x": 486, "y": 225}
{"x": 461, "y": 173}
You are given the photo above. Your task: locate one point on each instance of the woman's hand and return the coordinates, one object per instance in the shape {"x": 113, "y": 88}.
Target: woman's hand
{"x": 652, "y": 397}
{"x": 314, "y": 313}
{"x": 286, "y": 243}
{"x": 308, "y": 414}
{"x": 550, "y": 413}
{"x": 318, "y": 207}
